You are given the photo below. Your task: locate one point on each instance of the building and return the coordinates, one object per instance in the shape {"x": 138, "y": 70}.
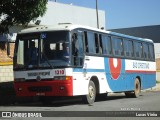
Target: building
{"x": 56, "y": 13}
{"x": 67, "y": 13}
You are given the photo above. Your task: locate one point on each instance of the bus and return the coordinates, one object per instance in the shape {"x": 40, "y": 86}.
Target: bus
{"x": 75, "y": 60}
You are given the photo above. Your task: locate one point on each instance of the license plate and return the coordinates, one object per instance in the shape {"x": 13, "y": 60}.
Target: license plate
{"x": 40, "y": 94}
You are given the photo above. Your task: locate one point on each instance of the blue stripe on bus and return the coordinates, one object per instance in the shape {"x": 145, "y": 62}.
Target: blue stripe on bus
{"x": 125, "y": 81}
{"x": 87, "y": 70}
{"x": 119, "y": 83}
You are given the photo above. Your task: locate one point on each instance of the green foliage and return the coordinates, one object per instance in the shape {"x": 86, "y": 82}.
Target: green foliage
{"x": 13, "y": 12}
{"x": 157, "y": 81}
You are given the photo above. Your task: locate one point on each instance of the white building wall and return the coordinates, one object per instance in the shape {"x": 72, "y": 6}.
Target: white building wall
{"x": 64, "y": 13}
{"x": 6, "y": 73}
{"x": 157, "y": 50}
{"x": 157, "y": 55}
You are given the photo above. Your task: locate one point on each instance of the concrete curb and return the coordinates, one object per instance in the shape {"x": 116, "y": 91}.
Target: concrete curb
{"x": 155, "y": 88}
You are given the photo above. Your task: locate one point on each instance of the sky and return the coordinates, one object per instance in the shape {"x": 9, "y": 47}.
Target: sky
{"x": 124, "y": 13}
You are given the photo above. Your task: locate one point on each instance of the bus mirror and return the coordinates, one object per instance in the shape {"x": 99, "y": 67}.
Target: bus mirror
{"x": 8, "y": 48}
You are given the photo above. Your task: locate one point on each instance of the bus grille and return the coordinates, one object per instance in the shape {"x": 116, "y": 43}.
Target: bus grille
{"x": 40, "y": 89}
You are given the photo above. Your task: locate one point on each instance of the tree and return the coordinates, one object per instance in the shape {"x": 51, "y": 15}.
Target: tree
{"x": 16, "y": 12}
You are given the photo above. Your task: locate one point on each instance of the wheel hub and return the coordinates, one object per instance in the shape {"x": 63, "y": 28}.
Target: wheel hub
{"x": 91, "y": 92}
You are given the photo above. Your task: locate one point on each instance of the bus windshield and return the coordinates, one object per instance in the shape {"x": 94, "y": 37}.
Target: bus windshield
{"x": 41, "y": 50}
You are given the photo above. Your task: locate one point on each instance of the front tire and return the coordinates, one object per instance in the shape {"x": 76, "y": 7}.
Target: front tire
{"x": 90, "y": 97}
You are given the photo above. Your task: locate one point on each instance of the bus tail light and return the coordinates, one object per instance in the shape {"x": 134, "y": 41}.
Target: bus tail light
{"x": 62, "y": 77}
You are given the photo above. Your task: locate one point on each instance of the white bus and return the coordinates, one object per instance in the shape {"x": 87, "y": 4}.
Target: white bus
{"x": 74, "y": 60}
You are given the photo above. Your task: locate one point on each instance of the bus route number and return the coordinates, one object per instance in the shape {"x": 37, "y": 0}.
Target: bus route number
{"x": 59, "y": 72}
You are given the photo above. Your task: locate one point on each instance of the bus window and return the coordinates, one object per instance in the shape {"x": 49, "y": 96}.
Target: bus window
{"x": 138, "y": 50}
{"x": 77, "y": 48}
{"x": 151, "y": 52}
{"x": 97, "y": 43}
{"x": 86, "y": 42}
{"x": 128, "y": 48}
{"x": 146, "y": 51}
{"x": 105, "y": 43}
{"x": 117, "y": 46}
{"x": 100, "y": 44}
{"x": 91, "y": 42}
{"x": 33, "y": 52}
{"x": 20, "y": 53}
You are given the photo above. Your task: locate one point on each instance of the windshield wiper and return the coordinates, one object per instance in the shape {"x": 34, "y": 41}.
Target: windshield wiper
{"x": 42, "y": 53}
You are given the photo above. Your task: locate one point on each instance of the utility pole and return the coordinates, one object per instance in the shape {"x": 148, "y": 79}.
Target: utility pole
{"x": 97, "y": 14}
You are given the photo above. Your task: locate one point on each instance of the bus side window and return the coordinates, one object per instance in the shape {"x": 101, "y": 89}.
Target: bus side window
{"x": 97, "y": 43}
{"x": 117, "y": 45}
{"x": 138, "y": 50}
{"x": 146, "y": 51}
{"x": 100, "y": 44}
{"x": 91, "y": 42}
{"x": 151, "y": 52}
{"x": 105, "y": 43}
{"x": 128, "y": 48}
{"x": 77, "y": 51}
{"x": 86, "y": 42}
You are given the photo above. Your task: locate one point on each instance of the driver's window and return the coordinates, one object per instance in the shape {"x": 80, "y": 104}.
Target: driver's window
{"x": 77, "y": 48}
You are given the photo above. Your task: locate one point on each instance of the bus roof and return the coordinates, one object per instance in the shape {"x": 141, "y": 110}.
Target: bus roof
{"x": 69, "y": 27}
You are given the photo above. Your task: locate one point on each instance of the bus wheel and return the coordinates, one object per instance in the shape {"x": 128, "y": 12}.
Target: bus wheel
{"x": 137, "y": 89}
{"x": 90, "y": 97}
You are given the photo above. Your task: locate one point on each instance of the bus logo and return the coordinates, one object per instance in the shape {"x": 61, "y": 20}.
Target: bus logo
{"x": 115, "y": 67}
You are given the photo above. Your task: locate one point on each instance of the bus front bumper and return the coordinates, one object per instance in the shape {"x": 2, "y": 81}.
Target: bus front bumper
{"x": 44, "y": 88}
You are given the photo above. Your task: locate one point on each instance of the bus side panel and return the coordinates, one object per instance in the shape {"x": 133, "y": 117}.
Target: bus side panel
{"x": 93, "y": 67}
{"x": 145, "y": 70}
{"x": 115, "y": 73}
{"x": 148, "y": 81}
{"x": 121, "y": 73}
{"x": 129, "y": 81}
{"x": 80, "y": 84}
